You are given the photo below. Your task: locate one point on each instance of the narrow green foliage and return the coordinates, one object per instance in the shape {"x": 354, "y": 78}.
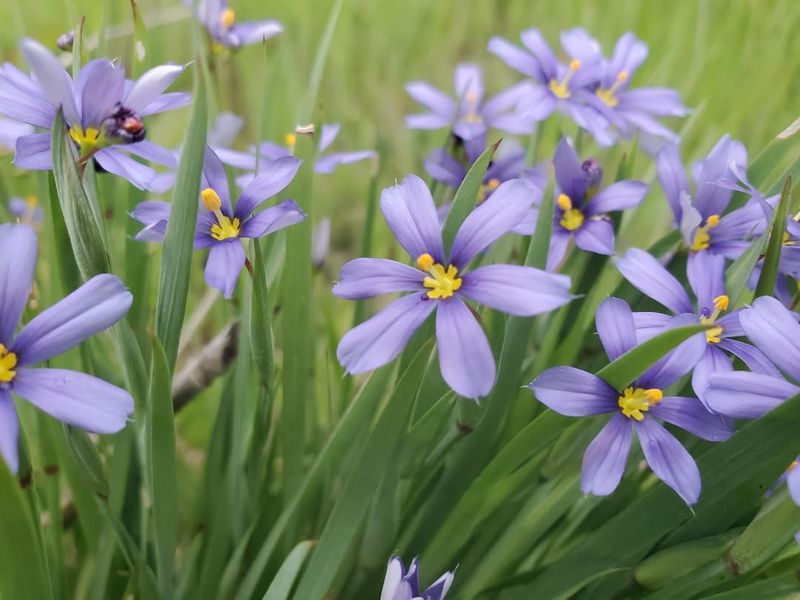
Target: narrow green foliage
{"x": 308, "y": 107}
{"x": 281, "y": 586}
{"x": 769, "y": 272}
{"x": 260, "y": 322}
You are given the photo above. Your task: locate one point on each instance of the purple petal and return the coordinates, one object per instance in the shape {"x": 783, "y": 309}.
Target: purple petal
{"x": 244, "y": 34}
{"x": 18, "y": 247}
{"x": 166, "y": 102}
{"x": 618, "y": 196}
{"x": 517, "y": 290}
{"x": 436, "y": 101}
{"x": 514, "y": 56}
{"x": 379, "y": 340}
{"x": 659, "y": 101}
{"x": 426, "y": 121}
{"x": 393, "y": 581}
{"x": 492, "y": 219}
{"x": 151, "y": 85}
{"x": 649, "y": 324}
{"x": 774, "y": 330}
{"x": 151, "y": 211}
{"x": 411, "y": 215}
{"x": 678, "y": 362}
{"x": 75, "y": 398}
{"x": 744, "y": 395}
{"x": 443, "y": 168}
{"x": 533, "y": 40}
{"x": 152, "y": 152}
{"x": 33, "y": 152}
{"x": 465, "y": 357}
{"x": 53, "y": 79}
{"x": 559, "y": 241}
{"x": 755, "y": 360}
{"x": 214, "y": 177}
{"x": 574, "y": 393}
{"x": 646, "y": 274}
{"x": 616, "y": 328}
{"x": 99, "y": 87}
{"x": 605, "y": 458}
{"x": 22, "y": 105}
{"x": 629, "y": 54}
{"x": 274, "y": 178}
{"x": 669, "y": 460}
{"x": 572, "y": 179}
{"x": 537, "y": 104}
{"x": 793, "y": 483}
{"x": 596, "y": 235}
{"x": 713, "y": 361}
{"x": 711, "y": 198}
{"x": 225, "y": 262}
{"x": 328, "y": 164}
{"x": 11, "y": 131}
{"x": 227, "y": 127}
{"x": 579, "y": 44}
{"x": 706, "y": 274}
{"x": 368, "y": 277}
{"x": 272, "y": 219}
{"x": 469, "y": 83}
{"x": 92, "y": 308}
{"x": 113, "y": 160}
{"x": 690, "y": 414}
{"x": 498, "y": 111}
{"x": 9, "y": 432}
{"x": 329, "y": 134}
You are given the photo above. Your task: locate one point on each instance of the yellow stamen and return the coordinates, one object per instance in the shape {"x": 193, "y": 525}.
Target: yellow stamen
{"x": 714, "y": 334}
{"x": 635, "y": 402}
{"x": 722, "y": 302}
{"x": 227, "y": 18}
{"x": 560, "y": 89}
{"x": 564, "y": 202}
{"x": 87, "y": 140}
{"x": 487, "y": 188}
{"x": 8, "y": 360}
{"x": 702, "y": 237}
{"x": 442, "y": 283}
{"x": 572, "y": 218}
{"x": 211, "y": 200}
{"x": 290, "y": 140}
{"x": 224, "y": 228}
{"x": 607, "y": 95}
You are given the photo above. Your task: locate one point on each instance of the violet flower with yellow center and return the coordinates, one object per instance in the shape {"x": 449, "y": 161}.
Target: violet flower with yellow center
{"x": 225, "y": 28}
{"x": 640, "y": 407}
{"x": 441, "y": 282}
{"x": 220, "y": 225}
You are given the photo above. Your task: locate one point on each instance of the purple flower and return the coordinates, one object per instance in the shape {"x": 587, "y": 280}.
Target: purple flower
{"x": 705, "y": 272}
{"x": 103, "y": 111}
{"x": 700, "y": 217}
{"x": 220, "y": 225}
{"x": 74, "y": 398}
{"x": 26, "y": 211}
{"x": 581, "y": 205}
{"x": 219, "y": 20}
{"x": 557, "y": 86}
{"x": 439, "y": 283}
{"x": 468, "y": 115}
{"x": 400, "y": 584}
{"x": 640, "y": 407}
{"x": 774, "y": 330}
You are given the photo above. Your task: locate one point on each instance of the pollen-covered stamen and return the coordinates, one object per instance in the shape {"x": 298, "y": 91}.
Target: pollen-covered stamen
{"x": 572, "y": 218}
{"x": 560, "y": 89}
{"x": 224, "y": 228}
{"x": 442, "y": 283}
{"x": 227, "y": 18}
{"x": 634, "y": 402}
{"x": 124, "y": 126}
{"x": 487, "y": 189}
{"x": 87, "y": 139}
{"x": 702, "y": 237}
{"x": 607, "y": 95}
{"x": 714, "y": 334}
{"x": 8, "y": 361}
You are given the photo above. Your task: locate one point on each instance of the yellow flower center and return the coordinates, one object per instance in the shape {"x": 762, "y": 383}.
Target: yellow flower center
{"x": 607, "y": 95}
{"x": 227, "y": 18}
{"x": 290, "y": 139}
{"x": 714, "y": 334}
{"x": 441, "y": 283}
{"x": 87, "y": 140}
{"x": 572, "y": 218}
{"x": 560, "y": 89}
{"x": 487, "y": 188}
{"x": 224, "y": 228}
{"x": 8, "y": 360}
{"x": 702, "y": 237}
{"x": 32, "y": 202}
{"x": 472, "y": 115}
{"x": 634, "y": 402}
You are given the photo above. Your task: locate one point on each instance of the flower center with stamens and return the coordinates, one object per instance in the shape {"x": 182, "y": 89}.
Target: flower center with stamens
{"x": 572, "y": 218}
{"x": 472, "y": 115}
{"x": 487, "y": 189}
{"x": 560, "y": 89}
{"x": 224, "y": 228}
{"x": 227, "y": 18}
{"x": 8, "y": 360}
{"x": 607, "y": 95}
{"x": 634, "y": 402}
{"x": 702, "y": 237}
{"x": 714, "y": 334}
{"x": 441, "y": 283}
{"x": 87, "y": 139}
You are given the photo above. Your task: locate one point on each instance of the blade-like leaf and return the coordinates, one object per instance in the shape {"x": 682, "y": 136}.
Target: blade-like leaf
{"x": 281, "y": 586}
{"x": 769, "y": 272}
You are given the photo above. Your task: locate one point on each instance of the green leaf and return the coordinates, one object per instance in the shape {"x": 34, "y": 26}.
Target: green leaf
{"x": 176, "y": 259}
{"x": 81, "y": 219}
{"x": 23, "y": 573}
{"x": 162, "y": 467}
{"x": 88, "y": 458}
{"x": 467, "y": 195}
{"x": 281, "y": 586}
{"x": 779, "y": 588}
{"x": 769, "y": 272}
{"x": 307, "y": 110}
{"x": 260, "y": 322}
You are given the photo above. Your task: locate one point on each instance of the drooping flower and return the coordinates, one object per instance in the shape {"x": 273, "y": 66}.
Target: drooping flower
{"x": 103, "y": 111}
{"x": 705, "y": 272}
{"x": 773, "y": 329}
{"x": 638, "y": 407}
{"x": 402, "y": 584}
{"x": 220, "y": 225}
{"x": 467, "y": 115}
{"x": 74, "y": 398}
{"x": 441, "y": 283}
{"x": 701, "y": 217}
{"x": 220, "y": 21}
{"x": 581, "y": 205}
{"x": 26, "y": 211}
{"x": 556, "y": 86}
